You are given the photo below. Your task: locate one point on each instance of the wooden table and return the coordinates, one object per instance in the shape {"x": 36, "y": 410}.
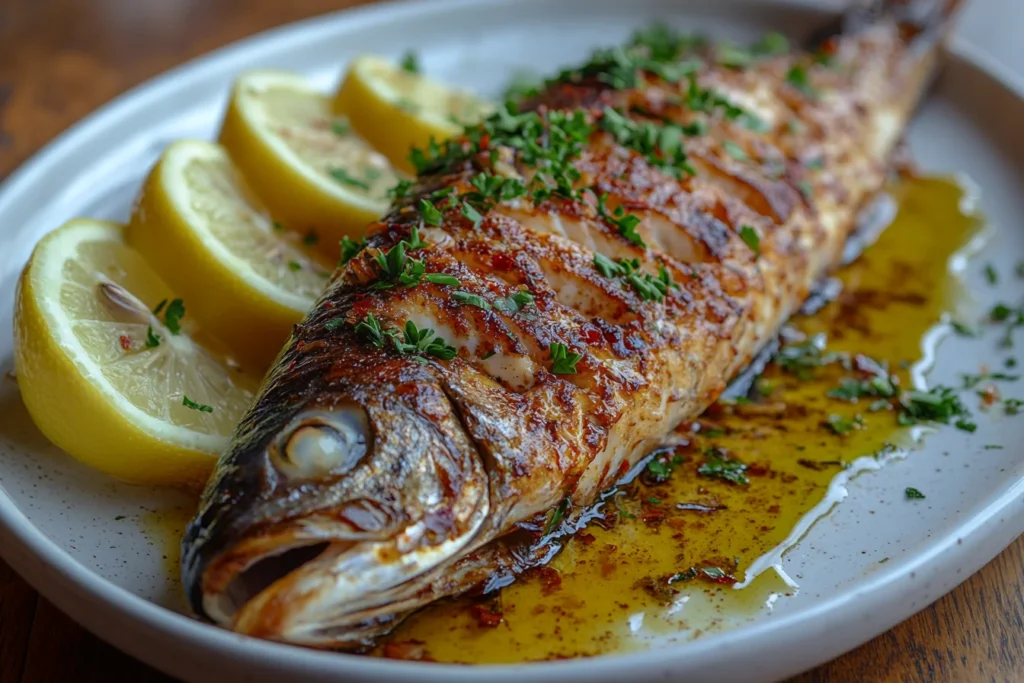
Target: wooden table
{"x": 60, "y": 59}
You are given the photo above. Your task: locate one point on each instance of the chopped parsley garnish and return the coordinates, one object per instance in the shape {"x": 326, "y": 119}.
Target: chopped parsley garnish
{"x": 734, "y": 150}
{"x": 400, "y": 190}
{"x": 562, "y": 361}
{"x": 966, "y": 425}
{"x": 336, "y": 323}
{"x": 430, "y": 214}
{"x": 649, "y": 288}
{"x": 717, "y": 466}
{"x": 660, "y": 467}
{"x": 661, "y": 144}
{"x": 470, "y": 299}
{"x": 971, "y": 381}
{"x": 340, "y": 128}
{"x": 803, "y": 358}
{"x": 991, "y": 276}
{"x": 1012, "y": 406}
{"x": 311, "y": 238}
{"x": 343, "y": 176}
{"x": 514, "y": 302}
{"x": 410, "y": 62}
{"x": 912, "y": 493}
{"x": 707, "y": 101}
{"x": 350, "y": 248}
{"x": 963, "y": 329}
{"x": 1013, "y": 317}
{"x": 294, "y": 265}
{"x": 840, "y": 424}
{"x": 152, "y": 338}
{"x": 472, "y": 214}
{"x": 201, "y": 407}
{"x": 852, "y": 390}
{"x": 173, "y": 314}
{"x": 443, "y": 279}
{"x": 556, "y": 516}
{"x": 624, "y": 222}
{"x": 798, "y": 78}
{"x": 751, "y": 239}
{"x": 423, "y": 341}
{"x": 369, "y": 328}
{"x": 939, "y": 404}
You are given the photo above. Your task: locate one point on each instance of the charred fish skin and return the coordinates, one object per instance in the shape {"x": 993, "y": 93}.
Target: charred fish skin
{"x": 563, "y": 286}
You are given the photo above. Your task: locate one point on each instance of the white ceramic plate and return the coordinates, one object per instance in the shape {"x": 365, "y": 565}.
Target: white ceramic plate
{"x": 94, "y": 547}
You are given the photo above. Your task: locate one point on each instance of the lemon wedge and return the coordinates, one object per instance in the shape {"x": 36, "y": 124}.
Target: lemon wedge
{"x": 394, "y": 109}
{"x": 122, "y": 388}
{"x": 305, "y": 164}
{"x": 246, "y": 280}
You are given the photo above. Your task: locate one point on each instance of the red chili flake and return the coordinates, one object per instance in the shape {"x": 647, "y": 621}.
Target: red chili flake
{"x": 989, "y": 395}
{"x": 592, "y": 336}
{"x": 126, "y": 342}
{"x": 299, "y": 344}
{"x": 550, "y": 579}
{"x": 485, "y": 140}
{"x": 291, "y": 365}
{"x": 486, "y": 617}
{"x": 586, "y": 538}
{"x": 329, "y": 305}
{"x": 502, "y": 261}
{"x": 361, "y": 307}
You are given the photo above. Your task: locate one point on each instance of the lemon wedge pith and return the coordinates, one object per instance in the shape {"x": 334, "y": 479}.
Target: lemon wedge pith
{"x": 306, "y": 166}
{"x": 117, "y": 386}
{"x": 395, "y": 109}
{"x": 245, "y": 280}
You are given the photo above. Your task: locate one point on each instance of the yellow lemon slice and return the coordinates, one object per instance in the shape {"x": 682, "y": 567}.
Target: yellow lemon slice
{"x": 246, "y": 281}
{"x": 395, "y": 109}
{"x": 304, "y": 163}
{"x": 120, "y": 387}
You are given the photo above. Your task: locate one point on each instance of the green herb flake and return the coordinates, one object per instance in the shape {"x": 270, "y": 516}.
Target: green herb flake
{"x": 515, "y": 302}
{"x": 556, "y": 516}
{"x": 470, "y": 299}
{"x": 991, "y": 276}
{"x": 410, "y": 62}
{"x": 798, "y": 77}
{"x": 429, "y": 213}
{"x": 344, "y": 177}
{"x": 294, "y": 265}
{"x": 351, "y": 248}
{"x": 751, "y": 239}
{"x": 201, "y": 407}
{"x": 173, "y": 314}
{"x": 443, "y": 279}
{"x": 734, "y": 150}
{"x": 913, "y": 494}
{"x": 563, "y": 362}
{"x": 152, "y": 338}
{"x": 341, "y": 128}
{"x": 840, "y": 424}
{"x": 624, "y": 222}
{"x": 160, "y": 307}
{"x": 718, "y": 466}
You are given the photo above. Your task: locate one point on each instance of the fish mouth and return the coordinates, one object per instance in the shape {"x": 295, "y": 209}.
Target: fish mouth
{"x": 347, "y": 565}
{"x": 324, "y": 593}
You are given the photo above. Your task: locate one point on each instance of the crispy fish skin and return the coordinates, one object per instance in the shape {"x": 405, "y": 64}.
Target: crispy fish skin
{"x": 366, "y": 482}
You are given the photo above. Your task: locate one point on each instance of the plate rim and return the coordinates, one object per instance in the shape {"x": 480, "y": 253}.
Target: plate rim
{"x": 73, "y": 587}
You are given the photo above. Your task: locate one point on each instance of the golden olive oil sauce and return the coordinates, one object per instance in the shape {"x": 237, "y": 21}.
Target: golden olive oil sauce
{"x": 694, "y": 542}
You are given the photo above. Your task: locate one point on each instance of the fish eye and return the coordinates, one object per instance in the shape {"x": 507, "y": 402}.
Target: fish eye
{"x": 321, "y": 443}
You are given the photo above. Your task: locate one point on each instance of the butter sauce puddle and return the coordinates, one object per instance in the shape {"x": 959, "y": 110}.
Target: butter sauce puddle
{"x": 608, "y": 589}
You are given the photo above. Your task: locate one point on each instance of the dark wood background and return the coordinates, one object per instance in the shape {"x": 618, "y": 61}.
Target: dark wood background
{"x": 60, "y": 59}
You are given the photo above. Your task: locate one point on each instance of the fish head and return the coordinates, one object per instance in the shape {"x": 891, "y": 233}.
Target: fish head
{"x": 330, "y": 500}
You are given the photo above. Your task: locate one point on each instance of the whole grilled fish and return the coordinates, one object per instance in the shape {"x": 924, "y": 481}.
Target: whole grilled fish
{"x": 562, "y": 286}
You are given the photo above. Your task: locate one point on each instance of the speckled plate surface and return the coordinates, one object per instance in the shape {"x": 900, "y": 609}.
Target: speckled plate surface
{"x": 104, "y": 552}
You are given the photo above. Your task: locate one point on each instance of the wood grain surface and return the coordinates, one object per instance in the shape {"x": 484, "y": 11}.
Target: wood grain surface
{"x": 60, "y": 59}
